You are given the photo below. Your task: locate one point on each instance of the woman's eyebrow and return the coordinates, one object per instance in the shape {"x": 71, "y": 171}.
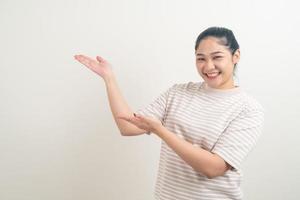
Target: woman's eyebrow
{"x": 216, "y": 52}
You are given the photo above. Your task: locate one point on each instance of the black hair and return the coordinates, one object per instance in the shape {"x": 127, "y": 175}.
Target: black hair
{"x": 225, "y": 35}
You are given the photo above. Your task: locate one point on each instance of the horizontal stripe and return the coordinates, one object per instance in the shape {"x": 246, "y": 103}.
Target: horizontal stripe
{"x": 226, "y": 123}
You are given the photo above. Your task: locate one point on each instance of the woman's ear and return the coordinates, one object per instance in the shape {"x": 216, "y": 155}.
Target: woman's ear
{"x": 236, "y": 56}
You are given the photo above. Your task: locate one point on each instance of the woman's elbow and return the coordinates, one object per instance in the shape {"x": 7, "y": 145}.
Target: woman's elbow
{"x": 129, "y": 133}
{"x": 125, "y": 133}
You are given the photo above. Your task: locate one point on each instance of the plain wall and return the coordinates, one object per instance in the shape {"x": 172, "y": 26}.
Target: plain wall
{"x": 58, "y": 139}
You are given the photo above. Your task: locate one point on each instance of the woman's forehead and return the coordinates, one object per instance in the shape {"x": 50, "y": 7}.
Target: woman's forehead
{"x": 210, "y": 46}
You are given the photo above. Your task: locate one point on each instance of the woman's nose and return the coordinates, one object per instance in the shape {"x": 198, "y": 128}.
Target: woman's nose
{"x": 209, "y": 65}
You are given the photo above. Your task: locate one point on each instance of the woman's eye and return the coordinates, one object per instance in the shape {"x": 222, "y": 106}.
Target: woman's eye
{"x": 201, "y": 59}
{"x": 218, "y": 57}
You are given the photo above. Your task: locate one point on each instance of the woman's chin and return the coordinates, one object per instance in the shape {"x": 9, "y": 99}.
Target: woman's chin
{"x": 213, "y": 83}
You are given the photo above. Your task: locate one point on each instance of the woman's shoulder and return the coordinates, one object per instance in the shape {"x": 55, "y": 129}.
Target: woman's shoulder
{"x": 251, "y": 103}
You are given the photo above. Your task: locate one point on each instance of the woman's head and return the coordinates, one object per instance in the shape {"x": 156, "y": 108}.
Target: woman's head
{"x": 217, "y": 54}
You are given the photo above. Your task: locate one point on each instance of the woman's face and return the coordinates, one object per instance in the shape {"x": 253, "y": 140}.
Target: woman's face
{"x": 215, "y": 63}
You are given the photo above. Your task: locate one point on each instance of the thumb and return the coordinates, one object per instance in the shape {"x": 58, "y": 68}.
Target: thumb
{"x": 100, "y": 59}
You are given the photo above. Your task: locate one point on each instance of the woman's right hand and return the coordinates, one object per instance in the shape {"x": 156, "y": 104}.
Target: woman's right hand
{"x": 99, "y": 65}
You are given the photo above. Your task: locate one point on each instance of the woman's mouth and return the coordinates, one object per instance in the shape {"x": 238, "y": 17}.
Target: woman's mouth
{"x": 212, "y": 75}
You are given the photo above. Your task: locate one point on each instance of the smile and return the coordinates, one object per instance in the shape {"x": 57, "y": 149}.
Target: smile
{"x": 212, "y": 75}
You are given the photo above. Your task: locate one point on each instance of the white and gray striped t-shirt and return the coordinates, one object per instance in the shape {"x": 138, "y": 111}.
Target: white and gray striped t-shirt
{"x": 225, "y": 122}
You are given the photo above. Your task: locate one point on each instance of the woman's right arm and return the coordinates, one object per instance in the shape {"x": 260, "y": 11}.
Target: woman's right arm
{"x": 118, "y": 104}
{"x": 119, "y": 107}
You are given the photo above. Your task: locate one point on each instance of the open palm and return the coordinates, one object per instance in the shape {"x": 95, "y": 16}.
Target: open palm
{"x": 99, "y": 65}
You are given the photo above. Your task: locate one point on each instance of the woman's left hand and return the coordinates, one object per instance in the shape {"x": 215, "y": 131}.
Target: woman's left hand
{"x": 149, "y": 124}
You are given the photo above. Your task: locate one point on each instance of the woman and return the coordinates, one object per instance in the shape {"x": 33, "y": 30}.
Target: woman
{"x": 207, "y": 128}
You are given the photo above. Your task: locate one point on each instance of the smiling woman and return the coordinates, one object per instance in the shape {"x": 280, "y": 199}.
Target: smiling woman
{"x": 217, "y": 54}
{"x": 207, "y": 128}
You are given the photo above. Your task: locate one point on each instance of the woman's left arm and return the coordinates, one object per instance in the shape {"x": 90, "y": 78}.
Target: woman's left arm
{"x": 201, "y": 160}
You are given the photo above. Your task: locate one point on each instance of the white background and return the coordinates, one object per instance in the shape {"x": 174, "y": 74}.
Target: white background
{"x": 58, "y": 139}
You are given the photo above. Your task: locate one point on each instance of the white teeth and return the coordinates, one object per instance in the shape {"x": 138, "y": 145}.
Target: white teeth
{"x": 212, "y": 74}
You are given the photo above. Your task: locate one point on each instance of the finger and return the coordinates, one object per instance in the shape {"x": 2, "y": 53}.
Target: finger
{"x": 78, "y": 57}
{"x": 81, "y": 58}
{"x": 132, "y": 120}
{"x": 124, "y": 118}
{"x": 137, "y": 115}
{"x": 135, "y": 121}
{"x": 87, "y": 61}
{"x": 145, "y": 118}
{"x": 142, "y": 118}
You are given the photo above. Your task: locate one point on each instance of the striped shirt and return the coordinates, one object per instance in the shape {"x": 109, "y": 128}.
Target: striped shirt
{"x": 224, "y": 122}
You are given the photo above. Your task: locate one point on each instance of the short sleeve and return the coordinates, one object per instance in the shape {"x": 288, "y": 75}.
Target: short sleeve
{"x": 157, "y": 108}
{"x": 240, "y": 137}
